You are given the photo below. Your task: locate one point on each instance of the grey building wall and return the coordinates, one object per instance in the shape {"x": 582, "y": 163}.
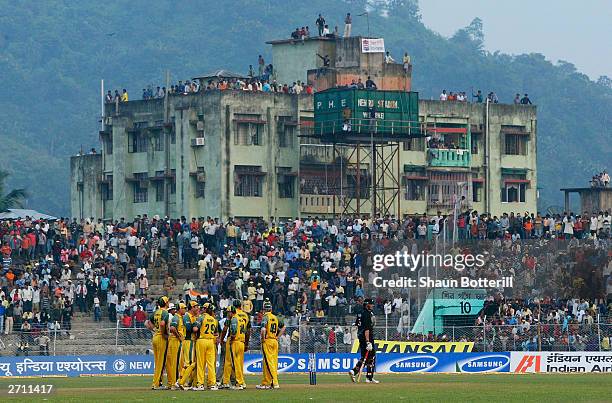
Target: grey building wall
{"x": 177, "y": 122}
{"x": 84, "y": 193}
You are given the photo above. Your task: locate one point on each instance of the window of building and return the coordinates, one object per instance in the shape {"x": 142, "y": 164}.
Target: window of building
{"x": 107, "y": 188}
{"x": 515, "y": 144}
{"x": 514, "y": 193}
{"x": 159, "y": 191}
{"x": 141, "y": 189}
{"x": 415, "y": 189}
{"x": 200, "y": 182}
{"x": 158, "y": 142}
{"x": 108, "y": 144}
{"x": 137, "y": 142}
{"x": 285, "y": 131}
{"x": 172, "y": 137}
{"x": 364, "y": 184}
{"x": 248, "y": 181}
{"x": 477, "y": 189}
{"x": 249, "y": 130}
{"x": 514, "y": 188}
{"x": 286, "y": 183}
{"x": 416, "y": 144}
{"x": 475, "y": 139}
{"x": 200, "y": 189}
{"x": 173, "y": 181}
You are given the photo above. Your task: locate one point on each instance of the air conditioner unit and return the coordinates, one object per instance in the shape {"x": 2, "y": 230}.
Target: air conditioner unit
{"x": 200, "y": 126}
{"x": 197, "y": 142}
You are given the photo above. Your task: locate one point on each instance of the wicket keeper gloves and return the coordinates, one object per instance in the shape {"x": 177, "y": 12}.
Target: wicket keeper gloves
{"x": 369, "y": 346}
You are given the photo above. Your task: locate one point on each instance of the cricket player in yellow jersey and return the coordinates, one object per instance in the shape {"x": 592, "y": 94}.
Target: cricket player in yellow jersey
{"x": 174, "y": 362}
{"x": 240, "y": 326}
{"x": 226, "y": 355}
{"x": 157, "y": 323}
{"x": 206, "y": 348}
{"x": 189, "y": 345}
{"x": 271, "y": 329}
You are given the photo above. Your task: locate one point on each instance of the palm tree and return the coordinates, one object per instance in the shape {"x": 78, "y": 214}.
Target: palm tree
{"x": 13, "y": 199}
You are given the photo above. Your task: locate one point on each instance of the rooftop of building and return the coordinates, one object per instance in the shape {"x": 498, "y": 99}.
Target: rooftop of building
{"x": 308, "y": 39}
{"x": 587, "y": 189}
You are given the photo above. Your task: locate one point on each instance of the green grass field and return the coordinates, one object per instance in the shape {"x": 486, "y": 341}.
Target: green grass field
{"x": 338, "y": 388}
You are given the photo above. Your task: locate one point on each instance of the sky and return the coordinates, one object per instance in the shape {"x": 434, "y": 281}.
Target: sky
{"x": 579, "y": 32}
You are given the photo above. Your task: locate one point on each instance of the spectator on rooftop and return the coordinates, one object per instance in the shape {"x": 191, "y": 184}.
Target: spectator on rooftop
{"x": 525, "y": 100}
{"x": 321, "y": 25}
{"x": 348, "y": 22}
{"x": 406, "y": 62}
{"x": 370, "y": 84}
{"x": 388, "y": 58}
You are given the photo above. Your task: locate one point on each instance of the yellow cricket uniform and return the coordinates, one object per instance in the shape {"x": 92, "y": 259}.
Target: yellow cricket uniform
{"x": 189, "y": 347}
{"x": 160, "y": 344}
{"x": 206, "y": 349}
{"x": 238, "y": 329}
{"x": 174, "y": 362}
{"x": 228, "y": 369}
{"x": 269, "y": 348}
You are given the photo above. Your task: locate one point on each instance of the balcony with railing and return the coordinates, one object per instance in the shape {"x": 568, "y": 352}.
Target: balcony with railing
{"x": 444, "y": 157}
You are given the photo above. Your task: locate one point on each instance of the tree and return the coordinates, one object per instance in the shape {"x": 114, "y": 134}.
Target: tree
{"x": 605, "y": 81}
{"x": 472, "y": 35}
{"x": 12, "y": 199}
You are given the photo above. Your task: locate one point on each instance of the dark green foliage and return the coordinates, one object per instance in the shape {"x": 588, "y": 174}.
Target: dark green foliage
{"x": 53, "y": 54}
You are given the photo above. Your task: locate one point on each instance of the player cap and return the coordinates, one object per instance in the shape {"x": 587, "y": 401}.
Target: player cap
{"x": 368, "y": 301}
{"x": 193, "y": 304}
{"x": 267, "y": 305}
{"x": 182, "y": 306}
{"x": 162, "y": 301}
{"x": 237, "y": 303}
{"x": 171, "y": 306}
{"x": 231, "y": 309}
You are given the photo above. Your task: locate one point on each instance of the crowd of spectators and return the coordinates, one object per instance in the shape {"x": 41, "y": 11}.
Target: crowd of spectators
{"x": 311, "y": 269}
{"x": 323, "y": 29}
{"x": 477, "y": 97}
{"x": 601, "y": 180}
{"x": 116, "y": 97}
{"x": 533, "y": 226}
{"x": 264, "y": 82}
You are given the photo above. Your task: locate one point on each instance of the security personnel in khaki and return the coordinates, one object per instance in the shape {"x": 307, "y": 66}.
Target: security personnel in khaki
{"x": 206, "y": 351}
{"x": 189, "y": 345}
{"x": 176, "y": 336}
{"x": 271, "y": 329}
{"x": 157, "y": 323}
